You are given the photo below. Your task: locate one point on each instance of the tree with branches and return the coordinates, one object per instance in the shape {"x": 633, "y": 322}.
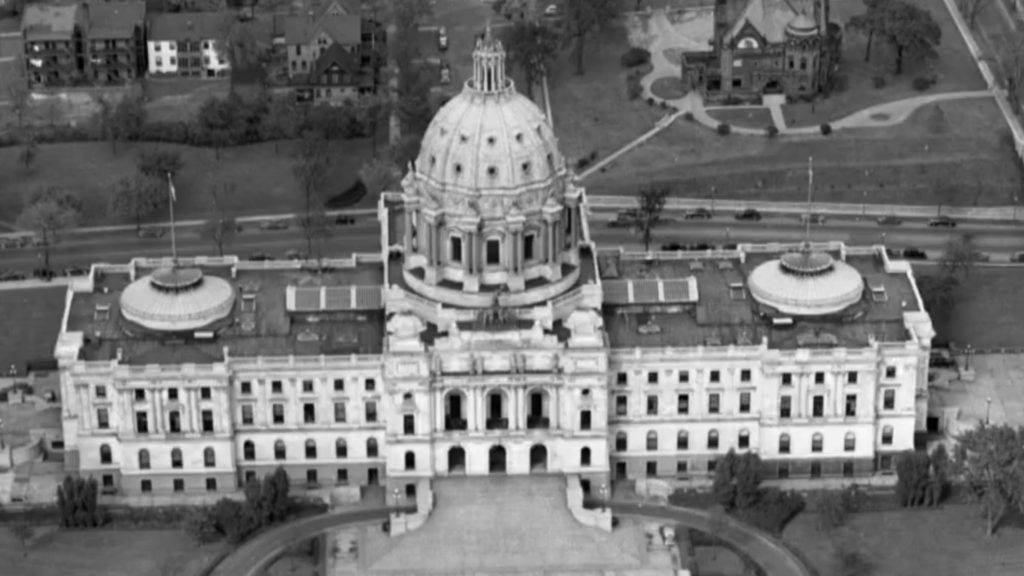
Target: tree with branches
{"x": 379, "y": 175}
{"x": 280, "y": 123}
{"x": 19, "y": 97}
{"x": 24, "y": 533}
{"x": 971, "y": 9}
{"x": 127, "y": 120}
{"x": 582, "y": 19}
{"x": 650, "y": 204}
{"x": 222, "y": 227}
{"x": 531, "y": 47}
{"x": 311, "y": 163}
{"x": 137, "y": 196}
{"x": 870, "y": 24}
{"x": 911, "y": 31}
{"x": 29, "y": 149}
{"x": 990, "y": 460}
{"x": 104, "y": 118}
{"x": 49, "y": 213}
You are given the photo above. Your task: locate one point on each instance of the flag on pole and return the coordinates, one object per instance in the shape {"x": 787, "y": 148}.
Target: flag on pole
{"x": 170, "y": 187}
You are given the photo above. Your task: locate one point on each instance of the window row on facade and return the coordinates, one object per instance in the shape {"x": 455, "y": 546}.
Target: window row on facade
{"x": 309, "y": 413}
{"x": 745, "y": 376}
{"x": 310, "y": 451}
{"x": 652, "y": 442}
{"x": 781, "y": 469}
{"x": 715, "y": 404}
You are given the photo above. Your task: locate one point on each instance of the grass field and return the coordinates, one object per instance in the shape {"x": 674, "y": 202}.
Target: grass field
{"x": 106, "y": 553}
{"x": 32, "y": 320}
{"x": 668, "y": 88}
{"x": 757, "y": 118}
{"x": 263, "y": 179}
{"x": 987, "y": 313}
{"x": 949, "y": 541}
{"x": 966, "y": 150}
{"x": 954, "y": 68}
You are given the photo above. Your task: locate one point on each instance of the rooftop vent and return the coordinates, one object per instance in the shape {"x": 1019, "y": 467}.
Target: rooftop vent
{"x": 204, "y": 335}
{"x": 248, "y": 302}
{"x": 102, "y": 312}
{"x": 724, "y": 265}
{"x": 736, "y": 291}
{"x": 878, "y": 293}
{"x": 782, "y": 321}
{"x": 696, "y": 265}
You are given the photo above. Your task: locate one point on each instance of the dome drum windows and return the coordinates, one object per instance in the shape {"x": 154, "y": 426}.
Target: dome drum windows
{"x": 492, "y": 171}
{"x": 493, "y": 251}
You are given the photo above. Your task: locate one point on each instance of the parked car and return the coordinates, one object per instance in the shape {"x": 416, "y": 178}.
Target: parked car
{"x": 274, "y": 225}
{"x": 260, "y": 257}
{"x": 942, "y": 222}
{"x": 38, "y": 241}
{"x": 446, "y": 74}
{"x": 152, "y": 232}
{"x": 625, "y": 218}
{"x": 296, "y": 255}
{"x": 941, "y": 359}
{"x": 749, "y": 214}
{"x": 814, "y": 218}
{"x": 43, "y": 274}
{"x": 699, "y": 214}
{"x": 10, "y": 243}
{"x": 673, "y": 246}
{"x": 1018, "y": 257}
{"x": 11, "y": 275}
{"x": 75, "y": 271}
{"x": 442, "y": 39}
{"x": 914, "y": 254}
{"x": 980, "y": 257}
{"x": 345, "y": 220}
{"x": 889, "y": 221}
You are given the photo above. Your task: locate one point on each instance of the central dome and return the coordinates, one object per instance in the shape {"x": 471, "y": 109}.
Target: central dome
{"x": 489, "y": 139}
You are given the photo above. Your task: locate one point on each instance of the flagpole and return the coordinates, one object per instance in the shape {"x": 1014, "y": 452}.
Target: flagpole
{"x": 174, "y": 239}
{"x": 810, "y": 187}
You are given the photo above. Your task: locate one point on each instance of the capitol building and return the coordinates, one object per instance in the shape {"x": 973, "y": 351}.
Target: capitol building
{"x": 490, "y": 335}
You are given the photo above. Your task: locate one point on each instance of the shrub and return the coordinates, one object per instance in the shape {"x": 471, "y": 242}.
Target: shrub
{"x": 837, "y": 83}
{"x": 826, "y": 129}
{"x": 771, "y": 131}
{"x": 582, "y": 163}
{"x": 879, "y": 81}
{"x": 77, "y": 502}
{"x": 593, "y": 155}
{"x": 688, "y": 116}
{"x": 922, "y": 83}
{"x": 724, "y": 129}
{"x": 650, "y": 101}
{"x": 773, "y": 510}
{"x": 635, "y": 57}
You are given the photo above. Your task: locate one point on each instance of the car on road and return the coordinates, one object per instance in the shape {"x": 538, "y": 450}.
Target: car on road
{"x": 75, "y": 271}
{"x": 296, "y": 255}
{"x": 260, "y": 257}
{"x": 442, "y": 39}
{"x": 889, "y": 221}
{"x": 11, "y": 243}
{"x": 44, "y": 274}
{"x": 672, "y": 247}
{"x": 942, "y": 222}
{"x": 344, "y": 220}
{"x": 698, "y": 214}
{"x": 152, "y": 232}
{"x": 274, "y": 225}
{"x": 813, "y": 218}
{"x": 911, "y": 253}
{"x": 749, "y": 214}
{"x": 1018, "y": 257}
{"x": 625, "y": 218}
{"x": 980, "y": 257}
{"x": 446, "y": 74}
{"x": 11, "y": 275}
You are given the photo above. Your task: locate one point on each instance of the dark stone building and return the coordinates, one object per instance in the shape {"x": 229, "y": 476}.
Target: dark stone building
{"x": 766, "y": 47}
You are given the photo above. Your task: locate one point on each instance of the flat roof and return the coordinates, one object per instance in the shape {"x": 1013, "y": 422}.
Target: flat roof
{"x": 29, "y": 325}
{"x": 724, "y": 312}
{"x": 260, "y": 322}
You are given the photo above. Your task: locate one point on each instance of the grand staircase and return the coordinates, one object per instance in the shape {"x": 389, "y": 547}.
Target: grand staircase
{"x": 508, "y": 525}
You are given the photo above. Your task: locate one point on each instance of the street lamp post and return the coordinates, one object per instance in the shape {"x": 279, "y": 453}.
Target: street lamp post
{"x": 988, "y": 409}
{"x": 968, "y": 353}
{"x": 604, "y": 495}
{"x": 396, "y": 493}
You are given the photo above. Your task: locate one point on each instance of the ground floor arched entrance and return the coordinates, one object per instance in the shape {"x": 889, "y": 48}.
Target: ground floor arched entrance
{"x": 456, "y": 460}
{"x": 538, "y": 458}
{"x": 497, "y": 460}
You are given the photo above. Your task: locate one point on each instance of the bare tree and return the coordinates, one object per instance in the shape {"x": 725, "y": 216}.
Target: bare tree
{"x": 29, "y": 149}
{"x": 650, "y": 203}
{"x": 104, "y": 118}
{"x": 221, "y": 228}
{"x": 19, "y": 96}
{"x": 958, "y": 259}
{"x": 971, "y": 9}
{"x": 1010, "y": 62}
{"x": 310, "y": 167}
{"x": 137, "y": 196}
{"x": 24, "y": 533}
{"x": 49, "y": 213}
{"x": 379, "y": 175}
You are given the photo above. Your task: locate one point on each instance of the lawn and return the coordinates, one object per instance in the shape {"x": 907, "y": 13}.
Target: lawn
{"x": 954, "y": 68}
{"x": 107, "y": 553}
{"x": 668, "y": 88}
{"x": 949, "y": 541}
{"x": 263, "y": 179}
{"x": 178, "y": 99}
{"x": 963, "y": 147}
{"x": 591, "y": 112}
{"x": 31, "y": 320}
{"x": 745, "y": 117}
{"x": 987, "y": 313}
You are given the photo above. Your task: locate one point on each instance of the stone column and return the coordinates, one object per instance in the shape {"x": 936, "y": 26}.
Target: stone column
{"x": 407, "y": 242}
{"x": 472, "y": 248}
{"x": 576, "y": 223}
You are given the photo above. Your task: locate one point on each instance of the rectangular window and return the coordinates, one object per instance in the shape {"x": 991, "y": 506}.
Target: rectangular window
{"x": 620, "y": 405}
{"x": 493, "y": 251}
{"x": 211, "y": 484}
{"x": 371, "y": 384}
{"x": 247, "y": 418}
{"x": 311, "y": 477}
{"x": 179, "y": 485}
{"x": 146, "y": 486}
{"x": 140, "y": 395}
{"x": 276, "y": 387}
{"x": 890, "y": 372}
{"x": 207, "y": 418}
{"x": 887, "y": 436}
{"x": 818, "y": 407}
{"x": 652, "y": 377}
{"x": 371, "y": 412}
{"x": 175, "y": 422}
{"x": 819, "y": 377}
{"x": 528, "y": 242}
{"x": 142, "y": 422}
{"x": 652, "y": 469}
{"x": 744, "y": 440}
{"x": 278, "y": 411}
{"x": 787, "y": 379}
{"x": 713, "y": 403}
{"x": 744, "y": 402}
{"x": 684, "y": 376}
{"x": 408, "y": 425}
{"x": 712, "y": 466}
{"x": 339, "y": 411}
{"x": 851, "y": 377}
{"x": 889, "y": 399}
{"x": 715, "y": 377}
{"x": 246, "y": 388}
{"x": 682, "y": 468}
{"x": 156, "y": 46}
{"x": 652, "y": 405}
{"x": 621, "y": 378}
{"x": 204, "y": 393}
{"x": 585, "y": 420}
{"x": 342, "y": 477}
{"x": 456, "y": 249}
{"x": 101, "y": 391}
{"x": 885, "y": 463}
{"x": 102, "y": 419}
{"x": 339, "y": 385}
{"x": 785, "y": 406}
{"x": 307, "y": 386}
{"x": 851, "y": 404}
{"x": 745, "y": 375}
{"x": 172, "y": 393}
{"x": 309, "y": 413}
{"x": 683, "y": 404}
{"x": 783, "y": 470}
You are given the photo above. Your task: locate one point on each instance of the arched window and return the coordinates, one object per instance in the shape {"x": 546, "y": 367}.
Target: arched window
{"x": 143, "y": 459}
{"x": 310, "y": 449}
{"x": 176, "y": 458}
{"x": 249, "y": 450}
{"x": 850, "y": 442}
{"x": 887, "y": 436}
{"x": 784, "y": 444}
{"x": 105, "y": 454}
{"x": 410, "y": 460}
{"x": 209, "y": 457}
{"x": 279, "y": 450}
{"x": 803, "y": 63}
{"x": 744, "y": 438}
{"x": 683, "y": 440}
{"x": 620, "y": 442}
{"x": 340, "y": 448}
{"x": 585, "y": 456}
{"x": 652, "y": 440}
{"x": 816, "y": 442}
{"x": 713, "y": 440}
{"x": 371, "y": 448}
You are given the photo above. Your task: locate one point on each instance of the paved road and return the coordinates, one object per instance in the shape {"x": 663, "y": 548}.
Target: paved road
{"x": 363, "y": 236}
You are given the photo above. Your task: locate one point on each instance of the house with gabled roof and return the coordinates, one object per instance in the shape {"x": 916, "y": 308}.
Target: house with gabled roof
{"x": 53, "y": 37}
{"x": 116, "y": 43}
{"x": 186, "y": 44}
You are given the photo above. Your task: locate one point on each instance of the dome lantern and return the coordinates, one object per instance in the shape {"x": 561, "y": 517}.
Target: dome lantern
{"x": 489, "y": 65}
